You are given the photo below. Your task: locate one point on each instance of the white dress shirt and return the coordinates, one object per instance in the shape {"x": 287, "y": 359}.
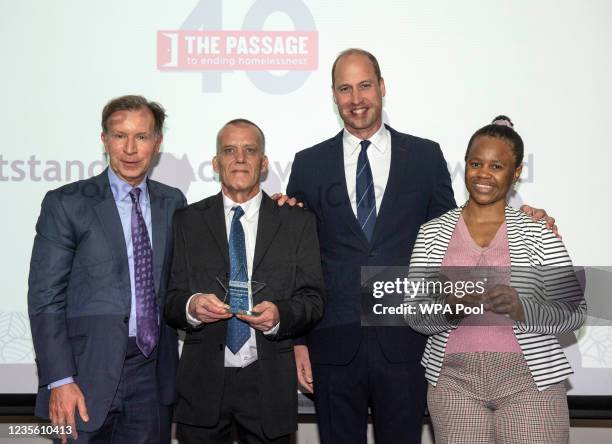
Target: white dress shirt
{"x": 379, "y": 156}
{"x": 248, "y": 352}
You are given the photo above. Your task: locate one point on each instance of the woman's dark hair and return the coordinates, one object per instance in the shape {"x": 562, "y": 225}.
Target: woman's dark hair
{"x": 501, "y": 128}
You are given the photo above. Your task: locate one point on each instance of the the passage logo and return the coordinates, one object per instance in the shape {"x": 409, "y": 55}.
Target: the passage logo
{"x": 202, "y": 45}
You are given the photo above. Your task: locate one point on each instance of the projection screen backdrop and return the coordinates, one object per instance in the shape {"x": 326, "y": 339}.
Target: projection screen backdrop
{"x": 449, "y": 67}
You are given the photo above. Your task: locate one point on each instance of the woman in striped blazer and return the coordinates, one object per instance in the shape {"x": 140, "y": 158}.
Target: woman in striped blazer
{"x": 495, "y": 377}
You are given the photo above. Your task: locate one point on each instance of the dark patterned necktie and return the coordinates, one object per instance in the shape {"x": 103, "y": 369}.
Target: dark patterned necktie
{"x": 238, "y": 331}
{"x": 147, "y": 329}
{"x": 366, "y": 200}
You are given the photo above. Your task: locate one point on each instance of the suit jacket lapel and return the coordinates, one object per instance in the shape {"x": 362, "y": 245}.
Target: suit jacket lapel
{"x": 440, "y": 243}
{"x": 399, "y": 162}
{"x": 516, "y": 236}
{"x": 107, "y": 212}
{"x": 267, "y": 226}
{"x": 215, "y": 220}
{"x": 159, "y": 228}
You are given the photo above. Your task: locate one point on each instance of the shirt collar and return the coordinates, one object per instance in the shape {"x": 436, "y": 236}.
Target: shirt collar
{"x": 121, "y": 189}
{"x": 250, "y": 207}
{"x": 379, "y": 140}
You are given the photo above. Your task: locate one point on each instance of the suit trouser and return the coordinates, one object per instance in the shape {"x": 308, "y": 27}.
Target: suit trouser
{"x": 395, "y": 393}
{"x": 489, "y": 397}
{"x": 240, "y": 405}
{"x": 135, "y": 415}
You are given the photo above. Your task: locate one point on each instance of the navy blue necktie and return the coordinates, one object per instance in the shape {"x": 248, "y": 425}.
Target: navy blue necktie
{"x": 366, "y": 199}
{"x": 238, "y": 332}
{"x": 147, "y": 328}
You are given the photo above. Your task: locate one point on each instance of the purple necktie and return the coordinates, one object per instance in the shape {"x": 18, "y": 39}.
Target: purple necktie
{"x": 147, "y": 329}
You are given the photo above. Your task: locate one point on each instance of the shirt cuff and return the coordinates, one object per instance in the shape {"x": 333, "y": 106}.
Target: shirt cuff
{"x": 273, "y": 330}
{"x": 61, "y": 382}
{"x": 190, "y": 319}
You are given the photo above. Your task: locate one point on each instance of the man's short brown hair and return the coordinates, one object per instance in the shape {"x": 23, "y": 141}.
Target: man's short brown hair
{"x": 357, "y": 51}
{"x": 134, "y": 103}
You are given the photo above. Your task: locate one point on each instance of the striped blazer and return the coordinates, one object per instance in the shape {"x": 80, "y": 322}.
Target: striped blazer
{"x": 543, "y": 277}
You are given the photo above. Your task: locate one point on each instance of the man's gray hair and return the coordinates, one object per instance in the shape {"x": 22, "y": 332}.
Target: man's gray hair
{"x": 242, "y": 122}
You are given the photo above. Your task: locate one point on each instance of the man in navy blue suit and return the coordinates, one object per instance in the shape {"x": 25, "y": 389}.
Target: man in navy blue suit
{"x": 106, "y": 359}
{"x": 373, "y": 189}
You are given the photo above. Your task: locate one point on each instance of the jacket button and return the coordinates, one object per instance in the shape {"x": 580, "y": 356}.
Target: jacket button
{"x": 221, "y": 347}
{"x": 126, "y": 319}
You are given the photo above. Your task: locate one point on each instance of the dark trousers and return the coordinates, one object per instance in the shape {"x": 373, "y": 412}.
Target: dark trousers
{"x": 135, "y": 415}
{"x": 395, "y": 393}
{"x": 240, "y": 406}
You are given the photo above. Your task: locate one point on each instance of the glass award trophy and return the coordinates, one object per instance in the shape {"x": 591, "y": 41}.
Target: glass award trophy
{"x": 244, "y": 291}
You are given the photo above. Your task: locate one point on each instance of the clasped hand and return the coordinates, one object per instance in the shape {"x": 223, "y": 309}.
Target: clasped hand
{"x": 207, "y": 308}
{"x": 501, "y": 299}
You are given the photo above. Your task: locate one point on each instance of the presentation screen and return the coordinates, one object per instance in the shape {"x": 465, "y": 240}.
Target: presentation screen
{"x": 449, "y": 67}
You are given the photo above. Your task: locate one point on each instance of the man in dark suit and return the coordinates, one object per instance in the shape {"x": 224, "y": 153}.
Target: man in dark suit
{"x": 106, "y": 359}
{"x": 372, "y": 190}
{"x": 240, "y": 369}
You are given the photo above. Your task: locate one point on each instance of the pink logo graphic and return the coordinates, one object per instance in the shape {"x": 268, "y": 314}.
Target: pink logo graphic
{"x": 241, "y": 50}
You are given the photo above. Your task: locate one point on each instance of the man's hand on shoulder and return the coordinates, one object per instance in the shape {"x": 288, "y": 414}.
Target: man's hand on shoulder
{"x": 282, "y": 199}
{"x": 537, "y": 214}
{"x": 207, "y": 308}
{"x": 62, "y": 404}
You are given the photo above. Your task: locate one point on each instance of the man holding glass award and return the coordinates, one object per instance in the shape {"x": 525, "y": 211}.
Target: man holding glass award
{"x": 245, "y": 279}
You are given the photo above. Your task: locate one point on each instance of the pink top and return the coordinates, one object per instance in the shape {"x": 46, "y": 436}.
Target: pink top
{"x": 489, "y": 332}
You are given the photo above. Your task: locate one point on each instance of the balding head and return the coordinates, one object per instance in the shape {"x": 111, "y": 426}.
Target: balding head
{"x": 242, "y": 122}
